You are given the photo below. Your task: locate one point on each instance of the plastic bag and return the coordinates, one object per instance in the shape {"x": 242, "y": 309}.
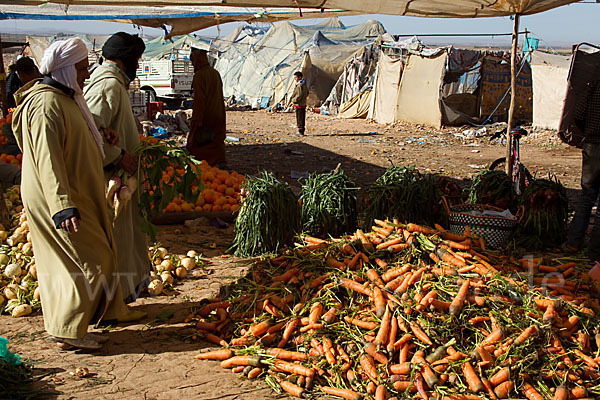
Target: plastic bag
{"x": 6, "y": 354}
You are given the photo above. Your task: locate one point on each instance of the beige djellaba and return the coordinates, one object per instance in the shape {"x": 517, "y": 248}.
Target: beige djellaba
{"x": 62, "y": 169}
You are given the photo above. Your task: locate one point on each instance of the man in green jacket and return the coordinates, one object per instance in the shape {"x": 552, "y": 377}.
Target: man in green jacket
{"x": 108, "y": 100}
{"x": 298, "y": 100}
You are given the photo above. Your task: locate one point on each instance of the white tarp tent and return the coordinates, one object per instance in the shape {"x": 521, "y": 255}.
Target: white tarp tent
{"x": 549, "y": 73}
{"x": 255, "y": 64}
{"x": 385, "y": 91}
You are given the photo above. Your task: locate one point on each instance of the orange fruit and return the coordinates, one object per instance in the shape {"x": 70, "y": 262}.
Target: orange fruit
{"x": 170, "y": 208}
{"x": 229, "y": 191}
{"x": 187, "y": 207}
{"x": 221, "y": 188}
{"x": 217, "y": 181}
{"x": 226, "y": 207}
{"x": 207, "y": 207}
{"x": 200, "y": 202}
{"x": 217, "y": 208}
{"x": 19, "y": 156}
{"x": 198, "y": 209}
{"x": 229, "y": 181}
{"x": 235, "y": 207}
{"x": 177, "y": 208}
{"x": 232, "y": 200}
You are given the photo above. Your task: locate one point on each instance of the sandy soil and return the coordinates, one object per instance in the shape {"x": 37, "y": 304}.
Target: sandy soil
{"x": 155, "y": 359}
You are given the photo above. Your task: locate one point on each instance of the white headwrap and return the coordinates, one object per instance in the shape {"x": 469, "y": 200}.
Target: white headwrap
{"x": 59, "y": 61}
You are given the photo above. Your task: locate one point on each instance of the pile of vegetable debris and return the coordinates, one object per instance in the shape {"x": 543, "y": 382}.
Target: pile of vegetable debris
{"x": 403, "y": 193}
{"x": 16, "y": 380}
{"x": 493, "y": 188}
{"x": 405, "y": 310}
{"x": 329, "y": 204}
{"x": 269, "y": 217}
{"x": 546, "y": 213}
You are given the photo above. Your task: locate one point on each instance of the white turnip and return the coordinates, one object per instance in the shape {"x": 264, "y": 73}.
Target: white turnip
{"x": 114, "y": 183}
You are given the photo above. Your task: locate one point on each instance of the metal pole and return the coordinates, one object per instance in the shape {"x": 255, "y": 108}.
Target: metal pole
{"x": 513, "y": 92}
{"x": 3, "y": 83}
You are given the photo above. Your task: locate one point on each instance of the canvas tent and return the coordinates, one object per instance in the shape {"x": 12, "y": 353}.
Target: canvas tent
{"x": 256, "y": 64}
{"x": 549, "y": 72}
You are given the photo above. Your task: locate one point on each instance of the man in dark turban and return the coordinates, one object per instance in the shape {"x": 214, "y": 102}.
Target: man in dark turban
{"x": 108, "y": 100}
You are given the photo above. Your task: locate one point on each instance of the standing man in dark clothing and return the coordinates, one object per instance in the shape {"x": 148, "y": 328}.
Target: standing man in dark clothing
{"x": 206, "y": 140}
{"x": 13, "y": 83}
{"x": 587, "y": 117}
{"x": 298, "y": 99}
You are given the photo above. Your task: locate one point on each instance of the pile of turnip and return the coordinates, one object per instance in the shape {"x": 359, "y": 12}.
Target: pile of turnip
{"x": 19, "y": 293}
{"x": 169, "y": 267}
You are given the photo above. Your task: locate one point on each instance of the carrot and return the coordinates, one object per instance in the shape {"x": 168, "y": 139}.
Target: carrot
{"x": 500, "y": 376}
{"x": 221, "y": 354}
{"x": 241, "y": 360}
{"x": 459, "y": 300}
{"x": 488, "y": 389}
{"x": 353, "y": 285}
{"x": 579, "y": 392}
{"x": 393, "y": 273}
{"x": 288, "y": 330}
{"x": 456, "y": 245}
{"x": 286, "y": 276}
{"x": 384, "y": 327}
{"x": 453, "y": 236}
{"x": 396, "y": 248}
{"x": 286, "y": 354}
{"x": 392, "y": 335}
{"x": 206, "y": 326}
{"x": 526, "y": 334}
{"x": 486, "y": 358}
{"x": 503, "y": 389}
{"x": 205, "y": 310}
{"x": 314, "y": 240}
{"x": 343, "y": 393}
{"x": 254, "y": 373}
{"x": 418, "y": 332}
{"x": 329, "y": 316}
{"x": 294, "y": 369}
{"x": 371, "y": 350}
{"x": 424, "y": 302}
{"x": 531, "y": 393}
{"x": 242, "y": 341}
{"x": 315, "y": 313}
{"x": 404, "y": 339}
{"x": 291, "y": 388}
{"x": 381, "y": 393}
{"x": 368, "y": 365}
{"x": 261, "y": 328}
{"x": 367, "y": 245}
{"x": 329, "y": 351}
{"x": 547, "y": 268}
{"x": 473, "y": 381}
{"x": 426, "y": 370}
{"x": 419, "y": 229}
{"x": 446, "y": 256}
{"x": 494, "y": 337}
{"x": 311, "y": 327}
{"x": 374, "y": 277}
{"x": 403, "y": 386}
{"x": 562, "y": 393}
{"x": 379, "y": 302}
{"x": 360, "y": 323}
{"x": 439, "y": 305}
{"x": 389, "y": 243}
{"x": 586, "y": 359}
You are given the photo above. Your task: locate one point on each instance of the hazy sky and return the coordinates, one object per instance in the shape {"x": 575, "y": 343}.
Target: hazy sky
{"x": 562, "y": 26}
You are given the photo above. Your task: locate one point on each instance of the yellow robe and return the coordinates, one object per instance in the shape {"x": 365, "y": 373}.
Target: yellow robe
{"x": 62, "y": 169}
{"x": 108, "y": 100}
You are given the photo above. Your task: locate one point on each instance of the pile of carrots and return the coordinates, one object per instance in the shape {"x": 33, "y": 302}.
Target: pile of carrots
{"x": 407, "y": 311}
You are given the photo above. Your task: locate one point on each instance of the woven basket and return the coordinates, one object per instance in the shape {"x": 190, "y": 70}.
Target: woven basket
{"x": 494, "y": 230}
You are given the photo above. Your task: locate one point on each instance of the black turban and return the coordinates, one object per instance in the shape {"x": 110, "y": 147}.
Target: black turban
{"x": 123, "y": 46}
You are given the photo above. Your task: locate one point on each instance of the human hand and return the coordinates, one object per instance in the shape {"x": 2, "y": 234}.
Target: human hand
{"x": 129, "y": 163}
{"x": 71, "y": 225}
{"x": 111, "y": 136}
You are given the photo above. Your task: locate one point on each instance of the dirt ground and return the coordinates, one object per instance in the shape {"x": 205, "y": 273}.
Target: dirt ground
{"x": 155, "y": 359}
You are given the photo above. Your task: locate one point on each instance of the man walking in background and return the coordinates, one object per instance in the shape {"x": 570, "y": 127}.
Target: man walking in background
{"x": 108, "y": 99}
{"x": 298, "y": 100}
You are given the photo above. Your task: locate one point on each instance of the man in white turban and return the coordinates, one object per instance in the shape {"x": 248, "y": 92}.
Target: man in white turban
{"x": 63, "y": 197}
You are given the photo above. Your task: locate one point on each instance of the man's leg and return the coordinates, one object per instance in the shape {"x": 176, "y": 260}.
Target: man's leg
{"x": 300, "y": 119}
{"x": 590, "y": 186}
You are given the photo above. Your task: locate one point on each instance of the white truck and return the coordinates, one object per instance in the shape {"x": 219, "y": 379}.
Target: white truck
{"x": 169, "y": 81}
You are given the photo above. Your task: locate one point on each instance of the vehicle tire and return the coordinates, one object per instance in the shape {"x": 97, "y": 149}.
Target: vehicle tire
{"x": 172, "y": 104}
{"x": 499, "y": 164}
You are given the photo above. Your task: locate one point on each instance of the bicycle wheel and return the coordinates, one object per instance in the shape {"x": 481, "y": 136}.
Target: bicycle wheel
{"x": 525, "y": 178}
{"x": 499, "y": 164}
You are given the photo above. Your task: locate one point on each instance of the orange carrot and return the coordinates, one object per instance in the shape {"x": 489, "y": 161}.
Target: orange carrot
{"x": 381, "y": 393}
{"x": 503, "y": 389}
{"x": 368, "y": 365}
{"x": 389, "y": 243}
{"x": 531, "y": 393}
{"x": 329, "y": 351}
{"x": 486, "y": 358}
{"x": 353, "y": 285}
{"x": 332, "y": 262}
{"x": 367, "y": 245}
{"x": 526, "y": 334}
{"x": 329, "y": 316}
{"x": 206, "y": 326}
{"x": 374, "y": 277}
{"x": 287, "y": 332}
{"x": 311, "y": 327}
{"x": 446, "y": 256}
{"x": 343, "y": 393}
{"x": 315, "y": 313}
{"x": 459, "y": 300}
{"x": 473, "y": 381}
{"x": 286, "y": 276}
{"x": 419, "y": 229}
{"x": 360, "y": 323}
{"x": 400, "y": 369}
{"x": 286, "y": 354}
{"x": 402, "y": 340}
{"x": 426, "y": 370}
{"x": 393, "y": 273}
{"x": 562, "y": 393}
{"x": 439, "y": 305}
{"x": 420, "y": 387}
{"x": 243, "y": 341}
{"x": 456, "y": 245}
{"x": 371, "y": 350}
{"x": 579, "y": 392}
{"x": 494, "y": 337}
{"x": 319, "y": 280}
{"x": 254, "y": 373}
{"x": 314, "y": 240}
{"x": 205, "y": 310}
{"x": 291, "y": 388}
{"x": 261, "y": 328}
{"x": 424, "y": 302}
{"x": 209, "y": 337}
{"x": 221, "y": 354}
{"x": 294, "y": 369}
{"x": 241, "y": 360}
{"x": 384, "y": 328}
{"x": 379, "y": 302}
{"x": 392, "y": 335}
{"x": 396, "y": 248}
{"x": 418, "y": 332}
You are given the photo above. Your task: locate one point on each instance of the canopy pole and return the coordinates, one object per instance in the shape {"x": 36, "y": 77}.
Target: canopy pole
{"x": 513, "y": 92}
{"x": 3, "y": 98}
